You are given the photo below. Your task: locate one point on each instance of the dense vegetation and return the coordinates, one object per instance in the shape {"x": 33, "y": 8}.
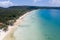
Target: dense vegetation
{"x": 12, "y": 13}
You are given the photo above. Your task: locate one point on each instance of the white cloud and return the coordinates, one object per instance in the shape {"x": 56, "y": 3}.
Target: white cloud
{"x": 6, "y": 3}
{"x": 54, "y": 2}
{"x": 47, "y": 2}
{"x": 35, "y": 1}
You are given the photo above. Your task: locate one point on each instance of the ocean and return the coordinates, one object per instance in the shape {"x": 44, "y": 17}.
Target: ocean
{"x": 42, "y": 24}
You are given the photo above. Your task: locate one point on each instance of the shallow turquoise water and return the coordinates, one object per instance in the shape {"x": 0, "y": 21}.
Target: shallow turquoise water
{"x": 43, "y": 24}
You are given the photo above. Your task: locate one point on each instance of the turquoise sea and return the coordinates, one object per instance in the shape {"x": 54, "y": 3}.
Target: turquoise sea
{"x": 43, "y": 24}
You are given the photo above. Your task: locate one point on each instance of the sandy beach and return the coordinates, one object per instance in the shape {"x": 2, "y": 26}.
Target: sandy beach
{"x": 11, "y": 29}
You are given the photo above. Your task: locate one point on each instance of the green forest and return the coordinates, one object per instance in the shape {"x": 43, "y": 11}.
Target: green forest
{"x": 9, "y": 15}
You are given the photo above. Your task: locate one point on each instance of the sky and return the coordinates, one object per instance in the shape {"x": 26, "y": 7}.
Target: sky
{"x": 7, "y": 3}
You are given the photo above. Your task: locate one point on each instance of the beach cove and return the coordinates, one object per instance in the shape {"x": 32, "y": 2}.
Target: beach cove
{"x": 9, "y": 34}
{"x": 38, "y": 25}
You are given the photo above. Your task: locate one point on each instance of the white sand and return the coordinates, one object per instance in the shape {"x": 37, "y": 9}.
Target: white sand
{"x": 2, "y": 34}
{"x": 9, "y": 34}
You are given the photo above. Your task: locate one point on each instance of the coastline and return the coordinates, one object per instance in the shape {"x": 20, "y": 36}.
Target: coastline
{"x": 11, "y": 29}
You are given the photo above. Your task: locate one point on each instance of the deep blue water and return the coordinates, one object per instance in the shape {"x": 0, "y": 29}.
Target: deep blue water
{"x": 43, "y": 24}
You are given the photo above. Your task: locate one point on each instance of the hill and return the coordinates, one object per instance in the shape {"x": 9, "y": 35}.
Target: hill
{"x": 9, "y": 15}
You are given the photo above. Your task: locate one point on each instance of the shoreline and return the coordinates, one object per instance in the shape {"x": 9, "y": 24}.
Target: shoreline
{"x": 11, "y": 29}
